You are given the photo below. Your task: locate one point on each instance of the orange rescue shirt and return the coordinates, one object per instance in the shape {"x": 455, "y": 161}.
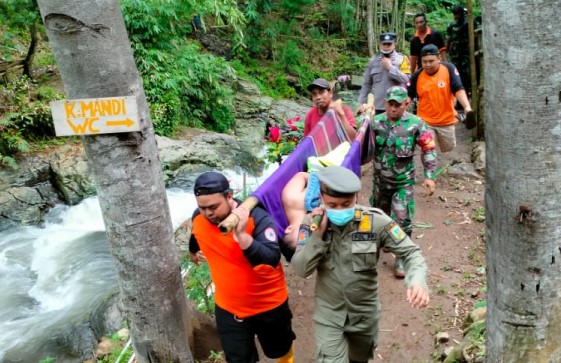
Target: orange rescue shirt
{"x": 240, "y": 288}
{"x": 436, "y": 95}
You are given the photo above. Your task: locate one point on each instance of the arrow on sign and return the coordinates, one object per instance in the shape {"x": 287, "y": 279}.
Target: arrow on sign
{"x": 128, "y": 123}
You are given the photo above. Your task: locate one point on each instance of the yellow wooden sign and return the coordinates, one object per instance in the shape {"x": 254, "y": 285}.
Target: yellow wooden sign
{"x": 93, "y": 116}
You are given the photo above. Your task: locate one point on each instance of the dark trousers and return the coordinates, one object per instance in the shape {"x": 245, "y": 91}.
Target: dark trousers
{"x": 273, "y": 329}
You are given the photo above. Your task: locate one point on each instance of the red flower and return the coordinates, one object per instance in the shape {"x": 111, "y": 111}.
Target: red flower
{"x": 275, "y": 134}
{"x": 291, "y": 123}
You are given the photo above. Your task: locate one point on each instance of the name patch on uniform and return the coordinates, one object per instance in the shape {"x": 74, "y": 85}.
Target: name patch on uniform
{"x": 303, "y": 234}
{"x": 358, "y": 236}
{"x": 395, "y": 232}
{"x": 270, "y": 234}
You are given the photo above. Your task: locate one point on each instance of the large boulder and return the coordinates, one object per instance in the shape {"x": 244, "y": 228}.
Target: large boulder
{"x": 251, "y": 110}
{"x": 71, "y": 176}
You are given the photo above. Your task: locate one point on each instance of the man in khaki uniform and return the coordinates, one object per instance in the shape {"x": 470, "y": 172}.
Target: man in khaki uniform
{"x": 344, "y": 252}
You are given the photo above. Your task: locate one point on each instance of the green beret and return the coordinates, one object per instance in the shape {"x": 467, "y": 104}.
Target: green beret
{"x": 337, "y": 180}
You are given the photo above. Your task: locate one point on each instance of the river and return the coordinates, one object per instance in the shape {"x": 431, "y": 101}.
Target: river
{"x": 55, "y": 275}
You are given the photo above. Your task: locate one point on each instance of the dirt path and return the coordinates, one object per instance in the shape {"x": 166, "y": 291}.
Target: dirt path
{"x": 454, "y": 250}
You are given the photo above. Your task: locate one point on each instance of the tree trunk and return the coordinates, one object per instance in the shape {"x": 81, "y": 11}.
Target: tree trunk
{"x": 523, "y": 186}
{"x": 94, "y": 57}
{"x": 28, "y": 62}
{"x": 370, "y": 25}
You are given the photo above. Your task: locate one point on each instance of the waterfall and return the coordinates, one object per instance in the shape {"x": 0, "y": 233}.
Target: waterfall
{"x": 54, "y": 276}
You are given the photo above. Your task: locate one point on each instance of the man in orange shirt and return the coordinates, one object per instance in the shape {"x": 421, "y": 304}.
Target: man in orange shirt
{"x": 436, "y": 85}
{"x": 251, "y": 298}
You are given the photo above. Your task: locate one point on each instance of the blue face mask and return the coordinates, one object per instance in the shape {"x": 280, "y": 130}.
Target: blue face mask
{"x": 340, "y": 217}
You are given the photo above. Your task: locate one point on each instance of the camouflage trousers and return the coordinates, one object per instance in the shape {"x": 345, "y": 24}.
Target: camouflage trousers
{"x": 398, "y": 203}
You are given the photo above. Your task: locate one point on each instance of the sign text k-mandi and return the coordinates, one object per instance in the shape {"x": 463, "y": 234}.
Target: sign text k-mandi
{"x": 94, "y": 116}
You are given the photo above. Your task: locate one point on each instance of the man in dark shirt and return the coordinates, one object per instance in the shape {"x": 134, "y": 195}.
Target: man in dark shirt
{"x": 424, "y": 35}
{"x": 458, "y": 45}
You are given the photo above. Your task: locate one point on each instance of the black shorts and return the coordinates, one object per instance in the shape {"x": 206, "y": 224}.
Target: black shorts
{"x": 273, "y": 329}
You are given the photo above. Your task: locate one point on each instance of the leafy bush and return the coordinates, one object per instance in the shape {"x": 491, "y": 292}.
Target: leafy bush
{"x": 199, "y": 287}
{"x": 183, "y": 86}
{"x": 27, "y": 118}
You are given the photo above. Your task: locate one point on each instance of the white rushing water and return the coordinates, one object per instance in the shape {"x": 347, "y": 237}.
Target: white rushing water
{"x": 55, "y": 275}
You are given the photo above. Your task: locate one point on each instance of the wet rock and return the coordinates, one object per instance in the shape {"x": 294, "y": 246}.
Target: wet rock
{"x": 478, "y": 157}
{"x": 463, "y": 171}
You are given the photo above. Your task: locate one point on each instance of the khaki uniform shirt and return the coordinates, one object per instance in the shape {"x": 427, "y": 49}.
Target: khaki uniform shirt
{"x": 377, "y": 80}
{"x": 345, "y": 261}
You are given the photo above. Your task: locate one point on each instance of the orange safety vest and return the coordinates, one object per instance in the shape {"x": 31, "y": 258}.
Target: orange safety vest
{"x": 240, "y": 288}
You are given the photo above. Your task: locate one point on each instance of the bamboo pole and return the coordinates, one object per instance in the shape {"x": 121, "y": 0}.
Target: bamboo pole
{"x": 231, "y": 222}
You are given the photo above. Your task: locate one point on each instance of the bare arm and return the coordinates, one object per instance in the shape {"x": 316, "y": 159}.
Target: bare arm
{"x": 337, "y": 106}
{"x": 462, "y": 98}
{"x": 413, "y": 63}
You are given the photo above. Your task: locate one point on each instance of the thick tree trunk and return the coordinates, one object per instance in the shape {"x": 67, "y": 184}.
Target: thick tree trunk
{"x": 523, "y": 186}
{"x": 94, "y": 57}
{"x": 28, "y": 62}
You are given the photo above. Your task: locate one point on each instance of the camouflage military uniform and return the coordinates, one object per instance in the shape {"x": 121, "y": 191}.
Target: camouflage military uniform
{"x": 458, "y": 50}
{"x": 394, "y": 165}
{"x": 347, "y": 309}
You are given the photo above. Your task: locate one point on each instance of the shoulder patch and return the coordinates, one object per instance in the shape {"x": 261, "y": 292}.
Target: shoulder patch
{"x": 395, "y": 231}
{"x": 270, "y": 234}
{"x": 303, "y": 234}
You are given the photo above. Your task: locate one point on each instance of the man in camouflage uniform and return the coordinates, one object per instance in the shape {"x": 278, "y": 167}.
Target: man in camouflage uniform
{"x": 458, "y": 45}
{"x": 393, "y": 188}
{"x": 344, "y": 252}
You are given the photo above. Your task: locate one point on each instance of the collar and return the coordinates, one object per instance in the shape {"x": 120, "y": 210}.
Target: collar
{"x": 423, "y": 36}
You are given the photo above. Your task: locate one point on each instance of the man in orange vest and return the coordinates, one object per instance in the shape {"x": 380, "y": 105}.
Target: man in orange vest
{"x": 250, "y": 290}
{"x": 436, "y": 85}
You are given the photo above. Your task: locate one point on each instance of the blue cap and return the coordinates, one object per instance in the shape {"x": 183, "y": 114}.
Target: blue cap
{"x": 210, "y": 182}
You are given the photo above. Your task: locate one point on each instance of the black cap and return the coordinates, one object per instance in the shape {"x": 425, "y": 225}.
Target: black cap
{"x": 210, "y": 182}
{"x": 429, "y": 49}
{"x": 319, "y": 82}
{"x": 458, "y": 9}
{"x": 388, "y": 38}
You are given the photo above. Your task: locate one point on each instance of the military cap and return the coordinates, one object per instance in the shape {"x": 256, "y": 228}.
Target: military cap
{"x": 396, "y": 93}
{"x": 388, "y": 38}
{"x": 210, "y": 182}
{"x": 338, "y": 181}
{"x": 319, "y": 82}
{"x": 429, "y": 49}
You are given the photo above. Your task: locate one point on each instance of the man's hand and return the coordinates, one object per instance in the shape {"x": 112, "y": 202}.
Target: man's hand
{"x": 337, "y": 106}
{"x": 365, "y": 107}
{"x": 386, "y": 63}
{"x": 323, "y": 224}
{"x": 240, "y": 235}
{"x": 430, "y": 186}
{"x": 418, "y": 296}
{"x": 197, "y": 258}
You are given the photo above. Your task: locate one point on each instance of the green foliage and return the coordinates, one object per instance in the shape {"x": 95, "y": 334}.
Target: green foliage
{"x": 183, "y": 86}
{"x": 479, "y": 214}
{"x": 48, "y": 360}
{"x": 199, "y": 287}
{"x": 27, "y": 118}
{"x": 282, "y": 141}
{"x": 480, "y": 304}
{"x": 18, "y": 16}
